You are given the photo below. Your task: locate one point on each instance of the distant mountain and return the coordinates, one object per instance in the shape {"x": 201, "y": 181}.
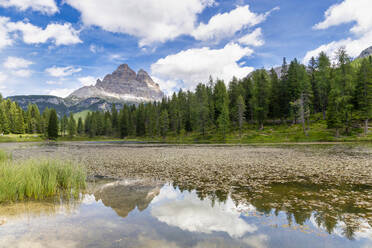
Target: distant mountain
{"x": 365, "y": 53}
{"x": 123, "y": 86}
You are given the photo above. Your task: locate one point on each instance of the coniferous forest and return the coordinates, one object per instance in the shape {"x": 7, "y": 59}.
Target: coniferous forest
{"x": 337, "y": 93}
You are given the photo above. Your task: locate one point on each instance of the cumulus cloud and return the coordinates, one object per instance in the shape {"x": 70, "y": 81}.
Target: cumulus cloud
{"x": 198, "y": 216}
{"x": 253, "y": 39}
{"x": 22, "y": 73}
{"x": 5, "y": 39}
{"x": 59, "y": 34}
{"x": 150, "y": 21}
{"x": 3, "y": 78}
{"x": 16, "y": 63}
{"x": 227, "y": 24}
{"x": 60, "y": 92}
{"x": 349, "y": 11}
{"x": 62, "y": 71}
{"x": 356, "y": 11}
{"x": 193, "y": 66}
{"x": 87, "y": 81}
{"x": 44, "y": 6}
{"x": 18, "y": 66}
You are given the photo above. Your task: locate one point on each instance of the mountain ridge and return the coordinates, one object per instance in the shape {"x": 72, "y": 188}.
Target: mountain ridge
{"x": 123, "y": 86}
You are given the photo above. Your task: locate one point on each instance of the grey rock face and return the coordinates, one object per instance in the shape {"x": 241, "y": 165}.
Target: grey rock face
{"x": 123, "y": 85}
{"x": 366, "y": 52}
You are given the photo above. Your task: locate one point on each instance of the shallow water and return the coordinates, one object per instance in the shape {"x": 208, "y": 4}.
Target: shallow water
{"x": 134, "y": 213}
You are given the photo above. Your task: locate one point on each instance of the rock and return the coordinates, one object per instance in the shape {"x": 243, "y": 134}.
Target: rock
{"x": 124, "y": 85}
{"x": 366, "y": 53}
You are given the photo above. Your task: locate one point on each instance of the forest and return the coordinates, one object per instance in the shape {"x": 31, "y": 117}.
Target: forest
{"x": 338, "y": 93}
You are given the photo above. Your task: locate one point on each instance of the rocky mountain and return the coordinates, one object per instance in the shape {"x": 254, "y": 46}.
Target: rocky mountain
{"x": 366, "y": 53}
{"x": 123, "y": 86}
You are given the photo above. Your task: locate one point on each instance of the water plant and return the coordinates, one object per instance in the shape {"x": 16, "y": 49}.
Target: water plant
{"x": 38, "y": 179}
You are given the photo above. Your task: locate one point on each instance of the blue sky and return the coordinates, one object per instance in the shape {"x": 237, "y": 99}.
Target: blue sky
{"x": 55, "y": 47}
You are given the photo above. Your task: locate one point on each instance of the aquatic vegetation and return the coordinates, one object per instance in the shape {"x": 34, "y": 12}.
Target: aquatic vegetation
{"x": 39, "y": 179}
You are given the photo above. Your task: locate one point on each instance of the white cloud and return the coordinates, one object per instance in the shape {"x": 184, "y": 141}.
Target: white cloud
{"x": 94, "y": 49}
{"x": 5, "y": 40}
{"x": 199, "y": 216}
{"x": 62, "y": 71}
{"x": 59, "y": 34}
{"x": 60, "y": 92}
{"x": 227, "y": 24}
{"x": 257, "y": 241}
{"x": 349, "y": 11}
{"x": 193, "y": 66}
{"x": 3, "y": 78}
{"x": 51, "y": 82}
{"x": 87, "y": 81}
{"x": 44, "y": 6}
{"x": 151, "y": 21}
{"x": 358, "y": 11}
{"x": 22, "y": 73}
{"x": 253, "y": 39}
{"x": 16, "y": 63}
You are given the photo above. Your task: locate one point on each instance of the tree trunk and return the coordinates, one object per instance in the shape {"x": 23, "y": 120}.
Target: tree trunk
{"x": 366, "y": 126}
{"x": 261, "y": 126}
{"x": 337, "y": 133}
{"x": 324, "y": 114}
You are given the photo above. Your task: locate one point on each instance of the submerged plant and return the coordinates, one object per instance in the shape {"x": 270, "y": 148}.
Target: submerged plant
{"x": 38, "y": 179}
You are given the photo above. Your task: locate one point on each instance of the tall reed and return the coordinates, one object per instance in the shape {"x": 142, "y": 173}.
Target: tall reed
{"x": 38, "y": 179}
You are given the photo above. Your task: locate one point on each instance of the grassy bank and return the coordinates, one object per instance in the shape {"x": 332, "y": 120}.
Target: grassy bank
{"x": 317, "y": 132}
{"x": 38, "y": 179}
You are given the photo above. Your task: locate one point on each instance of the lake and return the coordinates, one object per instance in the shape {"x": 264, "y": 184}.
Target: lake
{"x": 143, "y": 213}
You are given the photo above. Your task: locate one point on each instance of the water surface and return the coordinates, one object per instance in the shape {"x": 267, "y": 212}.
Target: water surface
{"x": 134, "y": 213}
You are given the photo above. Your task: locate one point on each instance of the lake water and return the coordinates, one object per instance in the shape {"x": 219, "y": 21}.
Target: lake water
{"x": 134, "y": 213}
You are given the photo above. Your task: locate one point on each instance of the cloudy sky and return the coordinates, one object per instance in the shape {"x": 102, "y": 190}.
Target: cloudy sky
{"x": 57, "y": 46}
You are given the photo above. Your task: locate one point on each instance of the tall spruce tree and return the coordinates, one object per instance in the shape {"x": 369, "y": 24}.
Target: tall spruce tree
{"x": 52, "y": 125}
{"x": 363, "y": 92}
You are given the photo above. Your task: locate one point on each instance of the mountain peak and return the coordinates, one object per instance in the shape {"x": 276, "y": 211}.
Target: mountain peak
{"x": 124, "y": 85}
{"x": 366, "y": 52}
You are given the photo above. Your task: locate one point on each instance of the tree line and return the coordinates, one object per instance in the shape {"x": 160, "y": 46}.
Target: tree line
{"x": 339, "y": 93}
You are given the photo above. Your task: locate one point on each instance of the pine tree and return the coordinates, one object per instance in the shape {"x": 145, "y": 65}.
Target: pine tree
{"x": 80, "y": 126}
{"x": 241, "y": 110}
{"x": 53, "y": 125}
{"x": 124, "y": 122}
{"x": 363, "y": 92}
{"x": 164, "y": 123}
{"x": 71, "y": 126}
{"x": 274, "y": 95}
{"x": 260, "y": 100}
{"x": 323, "y": 78}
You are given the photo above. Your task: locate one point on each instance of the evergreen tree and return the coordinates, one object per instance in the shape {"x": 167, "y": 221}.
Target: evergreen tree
{"x": 80, "y": 126}
{"x": 241, "y": 110}
{"x": 164, "y": 123}
{"x": 274, "y": 95}
{"x": 363, "y": 92}
{"x": 323, "y": 78}
{"x": 260, "y": 100}
{"x": 71, "y": 126}
{"x": 124, "y": 122}
{"x": 53, "y": 125}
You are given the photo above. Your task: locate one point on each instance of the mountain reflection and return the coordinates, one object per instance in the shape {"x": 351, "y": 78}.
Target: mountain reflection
{"x": 344, "y": 210}
{"x": 125, "y": 196}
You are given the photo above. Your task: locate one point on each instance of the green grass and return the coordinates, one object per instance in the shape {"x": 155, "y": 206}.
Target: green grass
{"x": 21, "y": 138}
{"x": 318, "y": 132}
{"x": 38, "y": 179}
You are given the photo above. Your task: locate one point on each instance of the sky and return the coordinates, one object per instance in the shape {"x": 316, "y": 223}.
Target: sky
{"x": 53, "y": 47}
